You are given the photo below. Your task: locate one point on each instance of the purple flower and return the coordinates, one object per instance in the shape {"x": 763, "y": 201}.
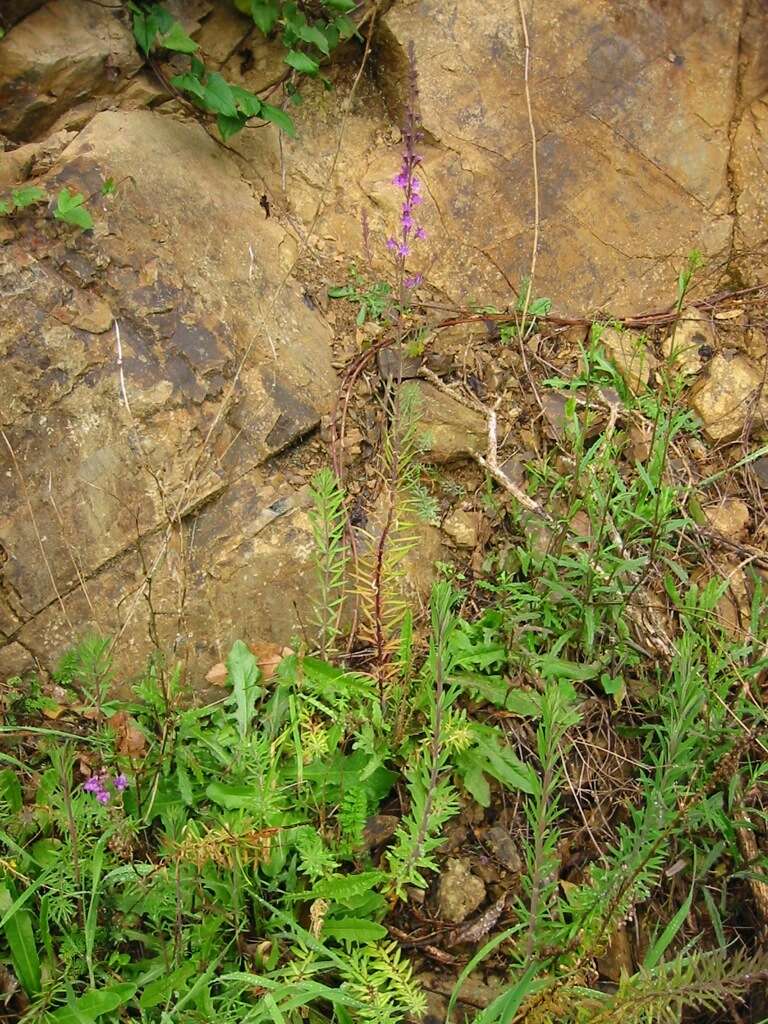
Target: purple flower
{"x": 421, "y": 234}
{"x": 407, "y": 219}
{"x": 93, "y": 785}
{"x": 413, "y": 281}
{"x": 401, "y": 179}
{"x": 120, "y": 783}
{"x": 403, "y": 250}
{"x": 391, "y": 244}
{"x": 102, "y": 796}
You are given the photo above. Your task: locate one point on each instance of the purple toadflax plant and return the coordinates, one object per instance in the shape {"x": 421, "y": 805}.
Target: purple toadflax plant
{"x": 97, "y": 785}
{"x": 410, "y": 184}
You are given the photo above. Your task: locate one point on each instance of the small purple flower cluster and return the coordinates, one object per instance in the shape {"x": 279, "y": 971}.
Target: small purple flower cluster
{"x": 97, "y": 784}
{"x": 408, "y": 181}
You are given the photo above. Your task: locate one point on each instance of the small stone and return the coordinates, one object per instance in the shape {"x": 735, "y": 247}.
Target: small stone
{"x": 724, "y": 399}
{"x": 460, "y": 893}
{"x": 691, "y": 343}
{"x": 617, "y": 961}
{"x": 760, "y": 469}
{"x": 450, "y": 429}
{"x": 629, "y": 352}
{"x": 379, "y": 829}
{"x": 217, "y": 675}
{"x": 504, "y": 848}
{"x": 730, "y": 518}
{"x": 394, "y": 363}
{"x": 461, "y": 527}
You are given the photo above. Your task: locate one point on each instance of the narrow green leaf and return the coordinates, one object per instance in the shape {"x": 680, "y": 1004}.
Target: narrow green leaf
{"x": 10, "y": 789}
{"x": 94, "y": 1004}
{"x": 660, "y": 946}
{"x": 232, "y": 797}
{"x": 354, "y": 929}
{"x": 20, "y": 935}
{"x": 243, "y": 673}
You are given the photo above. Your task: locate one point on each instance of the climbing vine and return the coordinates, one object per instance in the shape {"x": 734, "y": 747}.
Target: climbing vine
{"x": 309, "y": 37}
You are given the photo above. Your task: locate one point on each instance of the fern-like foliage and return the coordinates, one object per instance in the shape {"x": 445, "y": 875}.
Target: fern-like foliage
{"x": 380, "y": 571}
{"x": 328, "y": 520}
{"x": 351, "y": 818}
{"x": 694, "y": 982}
{"x": 434, "y": 800}
{"x": 383, "y": 982}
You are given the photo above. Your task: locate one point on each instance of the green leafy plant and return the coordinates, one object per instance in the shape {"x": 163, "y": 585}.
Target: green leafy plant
{"x": 307, "y": 42}
{"x": 373, "y": 302}
{"x": 70, "y": 208}
{"x": 21, "y": 198}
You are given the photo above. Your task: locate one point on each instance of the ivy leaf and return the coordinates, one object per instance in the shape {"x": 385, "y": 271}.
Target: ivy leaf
{"x": 189, "y": 83}
{"x": 247, "y": 102}
{"x": 278, "y": 117}
{"x": 218, "y": 96}
{"x": 70, "y": 209}
{"x": 146, "y": 26}
{"x": 301, "y": 62}
{"x": 264, "y": 14}
{"x": 177, "y": 39}
{"x": 346, "y": 26}
{"x": 312, "y": 34}
{"x": 229, "y": 126}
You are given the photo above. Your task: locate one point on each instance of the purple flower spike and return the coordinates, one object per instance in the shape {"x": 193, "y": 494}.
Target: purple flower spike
{"x": 413, "y": 281}
{"x": 92, "y": 785}
{"x": 391, "y": 244}
{"x": 403, "y": 250}
{"x": 120, "y": 783}
{"x": 103, "y": 796}
{"x": 421, "y": 234}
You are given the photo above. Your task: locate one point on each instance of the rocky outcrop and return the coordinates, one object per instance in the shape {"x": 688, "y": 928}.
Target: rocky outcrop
{"x": 149, "y": 368}
{"x": 65, "y": 53}
{"x": 152, "y": 366}
{"x": 632, "y": 106}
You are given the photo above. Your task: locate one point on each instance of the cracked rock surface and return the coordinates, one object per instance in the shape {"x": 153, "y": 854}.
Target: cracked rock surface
{"x": 148, "y": 457}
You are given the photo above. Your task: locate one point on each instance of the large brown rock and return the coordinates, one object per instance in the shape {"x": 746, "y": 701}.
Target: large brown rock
{"x": 632, "y": 106}
{"x": 223, "y": 365}
{"x": 60, "y": 55}
{"x": 14, "y": 10}
{"x": 731, "y": 399}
